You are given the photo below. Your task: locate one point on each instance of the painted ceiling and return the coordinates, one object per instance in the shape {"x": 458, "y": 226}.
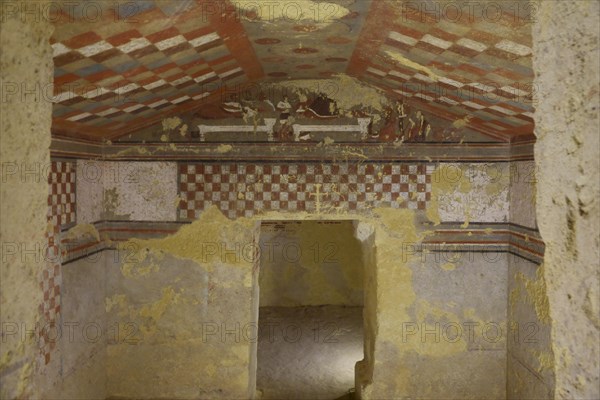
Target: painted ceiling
{"x": 125, "y": 67}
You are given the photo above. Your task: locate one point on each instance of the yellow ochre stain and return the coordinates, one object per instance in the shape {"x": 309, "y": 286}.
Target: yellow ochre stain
{"x": 81, "y": 231}
{"x": 448, "y": 267}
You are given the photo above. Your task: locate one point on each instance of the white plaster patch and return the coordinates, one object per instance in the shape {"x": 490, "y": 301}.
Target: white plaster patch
{"x": 471, "y": 44}
{"x": 58, "y": 49}
{"x": 89, "y": 181}
{"x": 399, "y": 75}
{"x": 205, "y": 76}
{"x": 180, "y": 99}
{"x": 423, "y": 78}
{"x": 473, "y": 105}
{"x": 503, "y": 110}
{"x": 155, "y": 84}
{"x": 435, "y": 41}
{"x": 402, "y": 60}
{"x": 201, "y": 95}
{"x": 514, "y": 48}
{"x": 146, "y": 191}
{"x": 202, "y": 40}
{"x": 424, "y": 96}
{"x": 403, "y": 93}
{"x": 133, "y": 108}
{"x": 99, "y": 91}
{"x": 230, "y": 72}
{"x": 63, "y": 96}
{"x": 486, "y": 199}
{"x": 135, "y": 44}
{"x": 450, "y": 82}
{"x": 108, "y": 111}
{"x": 515, "y": 91}
{"x": 79, "y": 116}
{"x": 482, "y": 86}
{"x": 402, "y": 38}
{"x": 376, "y": 71}
{"x": 170, "y": 42}
{"x": 181, "y": 80}
{"x": 449, "y": 101}
{"x": 157, "y": 103}
{"x": 127, "y": 88}
{"x": 96, "y": 48}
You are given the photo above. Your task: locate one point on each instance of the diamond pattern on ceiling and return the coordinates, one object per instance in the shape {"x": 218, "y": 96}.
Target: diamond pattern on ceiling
{"x": 118, "y": 75}
{"x": 113, "y": 78}
{"x": 467, "y": 68}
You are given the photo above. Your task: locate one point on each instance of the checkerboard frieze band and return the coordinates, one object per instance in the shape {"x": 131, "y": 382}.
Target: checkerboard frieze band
{"x": 242, "y": 189}
{"x": 61, "y": 199}
{"x": 61, "y": 213}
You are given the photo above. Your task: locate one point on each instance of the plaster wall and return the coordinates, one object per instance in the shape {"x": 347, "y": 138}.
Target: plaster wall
{"x": 566, "y": 125}
{"x": 523, "y": 179}
{"x": 90, "y": 191}
{"x": 469, "y": 192}
{"x": 149, "y": 191}
{"x": 310, "y": 263}
{"x": 566, "y": 154}
{"x": 530, "y": 366}
{"x": 186, "y": 312}
{"x": 135, "y": 191}
{"x": 25, "y": 63}
{"x": 148, "y": 299}
{"x": 80, "y": 361}
{"x": 190, "y": 332}
{"x": 448, "y": 339}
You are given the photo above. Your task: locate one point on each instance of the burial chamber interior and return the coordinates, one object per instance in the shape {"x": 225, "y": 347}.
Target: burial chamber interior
{"x": 311, "y": 284}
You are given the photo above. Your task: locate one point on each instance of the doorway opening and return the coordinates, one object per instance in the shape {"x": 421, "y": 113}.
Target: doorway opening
{"x": 312, "y": 293}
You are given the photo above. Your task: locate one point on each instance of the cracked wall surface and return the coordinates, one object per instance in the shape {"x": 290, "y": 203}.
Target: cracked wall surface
{"x": 529, "y": 359}
{"x": 153, "y": 290}
{"x": 470, "y": 192}
{"x": 146, "y": 291}
{"x": 79, "y": 365}
{"x": 190, "y": 311}
{"x": 135, "y": 191}
{"x": 523, "y": 180}
{"x": 566, "y": 155}
{"x": 154, "y": 286}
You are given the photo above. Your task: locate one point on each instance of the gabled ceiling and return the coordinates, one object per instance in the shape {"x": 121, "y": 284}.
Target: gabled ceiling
{"x": 462, "y": 62}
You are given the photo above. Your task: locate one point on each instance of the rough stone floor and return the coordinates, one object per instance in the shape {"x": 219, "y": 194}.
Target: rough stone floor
{"x": 308, "y": 352}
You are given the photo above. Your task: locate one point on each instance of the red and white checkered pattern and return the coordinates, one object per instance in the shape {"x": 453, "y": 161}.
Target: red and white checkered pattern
{"x": 245, "y": 189}
{"x": 61, "y": 212}
{"x": 62, "y": 193}
{"x": 471, "y": 66}
{"x": 50, "y": 307}
{"x": 138, "y": 72}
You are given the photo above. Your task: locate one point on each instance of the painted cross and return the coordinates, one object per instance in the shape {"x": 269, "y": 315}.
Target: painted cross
{"x": 317, "y": 195}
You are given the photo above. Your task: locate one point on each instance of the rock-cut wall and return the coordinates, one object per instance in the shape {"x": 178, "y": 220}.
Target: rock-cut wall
{"x": 566, "y": 59}
{"x": 25, "y": 70}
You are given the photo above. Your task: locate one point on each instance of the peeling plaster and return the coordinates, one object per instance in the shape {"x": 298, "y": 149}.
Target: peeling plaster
{"x": 469, "y": 192}
{"x": 80, "y": 231}
{"x": 322, "y": 13}
{"x": 168, "y": 124}
{"x": 399, "y": 58}
{"x": 348, "y": 92}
